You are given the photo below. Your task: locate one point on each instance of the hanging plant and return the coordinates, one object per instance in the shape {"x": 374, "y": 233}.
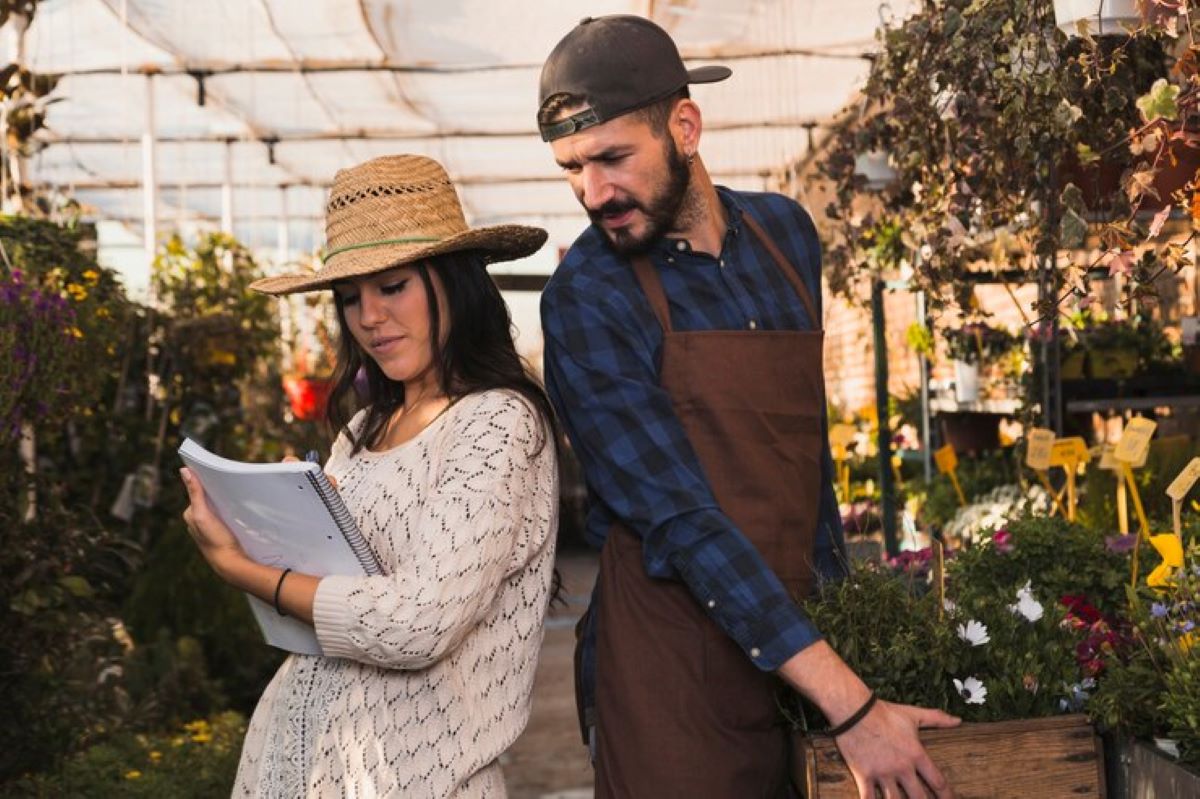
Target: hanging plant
{"x": 992, "y": 119}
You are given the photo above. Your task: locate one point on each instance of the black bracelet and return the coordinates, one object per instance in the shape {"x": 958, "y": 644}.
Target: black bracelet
{"x": 279, "y": 585}
{"x": 849, "y": 723}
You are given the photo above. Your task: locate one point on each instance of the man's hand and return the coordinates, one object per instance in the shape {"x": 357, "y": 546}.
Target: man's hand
{"x": 883, "y": 751}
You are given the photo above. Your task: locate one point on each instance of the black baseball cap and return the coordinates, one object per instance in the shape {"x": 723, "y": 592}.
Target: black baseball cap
{"x": 618, "y": 64}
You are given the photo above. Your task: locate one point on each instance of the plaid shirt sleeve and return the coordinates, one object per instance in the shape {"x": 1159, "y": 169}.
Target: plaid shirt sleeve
{"x": 601, "y": 374}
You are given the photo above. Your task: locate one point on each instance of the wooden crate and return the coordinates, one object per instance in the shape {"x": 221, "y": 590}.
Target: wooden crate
{"x": 1046, "y": 758}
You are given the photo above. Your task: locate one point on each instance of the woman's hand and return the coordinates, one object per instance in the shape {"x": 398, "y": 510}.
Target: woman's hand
{"x": 332, "y": 480}
{"x": 216, "y": 541}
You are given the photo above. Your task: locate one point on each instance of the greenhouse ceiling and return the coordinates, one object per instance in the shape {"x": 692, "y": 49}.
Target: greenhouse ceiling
{"x": 256, "y": 103}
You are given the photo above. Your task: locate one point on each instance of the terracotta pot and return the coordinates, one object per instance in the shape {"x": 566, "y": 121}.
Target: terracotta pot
{"x": 1100, "y": 182}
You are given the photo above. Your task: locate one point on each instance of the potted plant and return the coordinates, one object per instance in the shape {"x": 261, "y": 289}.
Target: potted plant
{"x": 996, "y": 124}
{"x": 971, "y": 346}
{"x": 998, "y": 648}
{"x": 1151, "y": 687}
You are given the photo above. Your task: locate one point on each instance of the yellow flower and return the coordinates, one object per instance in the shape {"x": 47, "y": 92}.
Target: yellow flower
{"x": 1171, "y": 549}
{"x": 77, "y": 292}
{"x": 91, "y": 276}
{"x": 103, "y": 313}
{"x": 133, "y": 774}
{"x": 75, "y": 332}
{"x": 155, "y": 756}
{"x": 1186, "y": 642}
{"x": 201, "y": 738}
{"x": 177, "y": 740}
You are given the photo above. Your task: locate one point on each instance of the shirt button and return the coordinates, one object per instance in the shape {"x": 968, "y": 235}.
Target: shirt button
{"x": 670, "y": 259}
{"x": 681, "y": 245}
{"x": 712, "y": 603}
{"x": 721, "y": 263}
{"x": 755, "y": 652}
{"x": 753, "y": 325}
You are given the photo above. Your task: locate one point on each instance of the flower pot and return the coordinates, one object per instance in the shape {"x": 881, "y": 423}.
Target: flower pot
{"x": 1057, "y": 756}
{"x": 966, "y": 381}
{"x": 1114, "y": 364}
{"x": 307, "y": 396}
{"x": 1102, "y": 17}
{"x": 1140, "y": 768}
{"x": 1072, "y": 366}
{"x": 1100, "y": 182}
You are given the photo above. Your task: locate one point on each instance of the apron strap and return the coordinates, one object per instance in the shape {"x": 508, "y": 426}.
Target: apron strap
{"x": 785, "y": 266}
{"x": 653, "y": 289}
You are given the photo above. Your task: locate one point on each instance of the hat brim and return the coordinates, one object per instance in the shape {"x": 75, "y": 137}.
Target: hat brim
{"x": 495, "y": 243}
{"x": 709, "y": 74}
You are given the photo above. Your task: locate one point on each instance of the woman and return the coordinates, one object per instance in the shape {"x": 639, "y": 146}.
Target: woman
{"x": 450, "y": 472}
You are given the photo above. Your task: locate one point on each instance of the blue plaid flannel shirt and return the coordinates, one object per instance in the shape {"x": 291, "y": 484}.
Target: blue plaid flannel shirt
{"x": 602, "y": 345}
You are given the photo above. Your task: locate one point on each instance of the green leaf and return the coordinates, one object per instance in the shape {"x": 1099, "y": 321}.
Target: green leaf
{"x": 1159, "y": 102}
{"x": 1073, "y": 229}
{"x": 78, "y": 586}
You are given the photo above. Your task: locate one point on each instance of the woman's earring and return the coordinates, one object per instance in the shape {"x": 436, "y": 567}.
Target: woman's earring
{"x": 691, "y": 158}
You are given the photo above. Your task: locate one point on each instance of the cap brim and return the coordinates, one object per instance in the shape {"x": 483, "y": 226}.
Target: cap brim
{"x": 710, "y": 74}
{"x": 496, "y": 243}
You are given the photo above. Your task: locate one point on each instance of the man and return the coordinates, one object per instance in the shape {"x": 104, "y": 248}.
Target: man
{"x": 683, "y": 353}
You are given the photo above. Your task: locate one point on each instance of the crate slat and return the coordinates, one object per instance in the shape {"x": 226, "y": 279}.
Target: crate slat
{"x": 1047, "y": 758}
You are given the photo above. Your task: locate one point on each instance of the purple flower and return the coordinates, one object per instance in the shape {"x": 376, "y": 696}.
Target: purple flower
{"x": 1120, "y": 544}
{"x": 1158, "y": 610}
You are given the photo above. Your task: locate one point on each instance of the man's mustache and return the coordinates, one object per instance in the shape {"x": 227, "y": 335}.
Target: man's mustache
{"x": 612, "y": 208}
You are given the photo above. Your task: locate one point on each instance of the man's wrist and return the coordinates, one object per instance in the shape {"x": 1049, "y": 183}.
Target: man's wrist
{"x": 824, "y": 679}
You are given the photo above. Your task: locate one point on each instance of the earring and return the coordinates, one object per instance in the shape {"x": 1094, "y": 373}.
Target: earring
{"x": 691, "y": 158}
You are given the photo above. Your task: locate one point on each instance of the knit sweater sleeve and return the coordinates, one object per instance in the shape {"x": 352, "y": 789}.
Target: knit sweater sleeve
{"x": 474, "y": 528}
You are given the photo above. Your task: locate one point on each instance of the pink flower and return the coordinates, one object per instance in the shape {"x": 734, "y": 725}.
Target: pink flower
{"x": 1002, "y": 540}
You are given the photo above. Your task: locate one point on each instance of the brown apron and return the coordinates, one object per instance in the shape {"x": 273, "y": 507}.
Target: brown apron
{"x": 681, "y": 710}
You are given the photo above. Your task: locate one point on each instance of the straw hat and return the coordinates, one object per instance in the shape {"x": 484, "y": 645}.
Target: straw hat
{"x": 396, "y": 210}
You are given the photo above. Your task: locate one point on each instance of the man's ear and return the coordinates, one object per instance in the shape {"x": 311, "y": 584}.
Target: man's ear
{"x": 686, "y": 125}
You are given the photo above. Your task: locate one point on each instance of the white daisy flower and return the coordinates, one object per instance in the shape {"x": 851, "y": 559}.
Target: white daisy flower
{"x": 971, "y": 690}
{"x": 949, "y": 606}
{"x": 1026, "y": 605}
{"x": 974, "y": 633}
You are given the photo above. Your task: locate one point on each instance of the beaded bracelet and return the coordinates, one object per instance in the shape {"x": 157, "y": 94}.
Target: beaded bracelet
{"x": 850, "y": 723}
{"x": 279, "y": 585}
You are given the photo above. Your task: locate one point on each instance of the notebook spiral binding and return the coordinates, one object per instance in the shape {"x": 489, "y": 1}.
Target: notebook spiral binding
{"x": 345, "y": 522}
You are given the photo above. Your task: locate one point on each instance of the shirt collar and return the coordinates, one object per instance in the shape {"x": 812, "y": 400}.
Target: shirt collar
{"x": 733, "y": 211}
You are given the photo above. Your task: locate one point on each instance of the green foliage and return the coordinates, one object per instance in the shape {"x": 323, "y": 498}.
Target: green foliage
{"x": 1098, "y": 503}
{"x": 1151, "y": 686}
{"x": 978, "y": 342}
{"x": 198, "y": 760}
{"x": 1058, "y": 557}
{"x": 889, "y": 627}
{"x": 977, "y": 476}
{"x": 60, "y": 661}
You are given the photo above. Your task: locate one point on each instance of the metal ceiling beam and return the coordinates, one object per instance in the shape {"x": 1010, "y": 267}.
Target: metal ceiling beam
{"x": 207, "y": 69}
{"x": 382, "y": 134}
{"x": 469, "y": 180}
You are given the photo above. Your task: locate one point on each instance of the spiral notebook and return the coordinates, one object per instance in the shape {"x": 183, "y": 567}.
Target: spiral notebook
{"x": 287, "y": 515}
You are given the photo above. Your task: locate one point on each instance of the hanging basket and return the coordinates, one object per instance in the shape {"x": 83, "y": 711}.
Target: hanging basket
{"x": 307, "y": 396}
{"x": 1101, "y": 17}
{"x": 1100, "y": 182}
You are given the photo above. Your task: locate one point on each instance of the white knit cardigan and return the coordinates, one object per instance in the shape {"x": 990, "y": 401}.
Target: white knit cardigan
{"x": 428, "y": 670}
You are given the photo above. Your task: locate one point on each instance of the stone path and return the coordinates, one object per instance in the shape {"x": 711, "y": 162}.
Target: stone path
{"x": 549, "y": 761}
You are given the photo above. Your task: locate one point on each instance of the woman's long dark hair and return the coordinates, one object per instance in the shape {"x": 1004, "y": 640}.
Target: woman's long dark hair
{"x": 477, "y": 355}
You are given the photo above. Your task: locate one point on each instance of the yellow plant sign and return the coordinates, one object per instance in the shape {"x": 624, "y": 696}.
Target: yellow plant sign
{"x": 947, "y": 462}
{"x": 1039, "y": 443}
{"x": 1134, "y": 446}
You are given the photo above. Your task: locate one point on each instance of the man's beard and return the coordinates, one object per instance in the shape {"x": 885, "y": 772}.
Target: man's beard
{"x": 661, "y": 211}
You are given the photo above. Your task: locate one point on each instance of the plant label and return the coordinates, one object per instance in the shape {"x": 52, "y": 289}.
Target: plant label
{"x": 946, "y": 459}
{"x": 1039, "y": 442}
{"x": 1182, "y": 484}
{"x": 1067, "y": 451}
{"x": 840, "y": 435}
{"x": 1107, "y": 459}
{"x": 1134, "y": 446}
